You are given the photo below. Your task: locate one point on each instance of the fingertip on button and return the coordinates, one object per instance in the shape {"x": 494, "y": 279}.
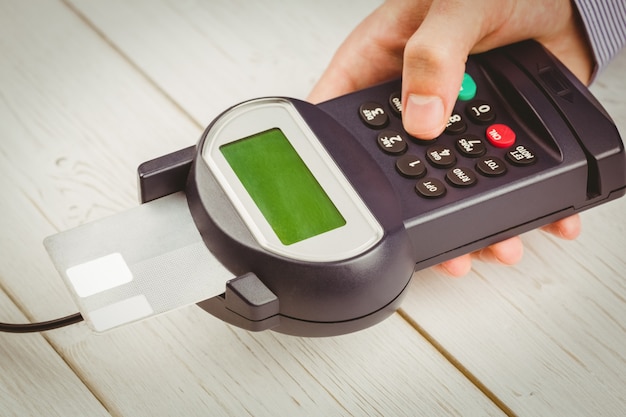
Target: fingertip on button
{"x": 424, "y": 116}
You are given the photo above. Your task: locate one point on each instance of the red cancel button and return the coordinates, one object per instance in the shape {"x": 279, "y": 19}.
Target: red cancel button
{"x": 500, "y": 135}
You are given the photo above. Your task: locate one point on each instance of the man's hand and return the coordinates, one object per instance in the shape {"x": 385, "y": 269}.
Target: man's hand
{"x": 427, "y": 43}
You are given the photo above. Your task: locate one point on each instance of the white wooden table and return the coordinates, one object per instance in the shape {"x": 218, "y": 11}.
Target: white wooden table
{"x": 90, "y": 89}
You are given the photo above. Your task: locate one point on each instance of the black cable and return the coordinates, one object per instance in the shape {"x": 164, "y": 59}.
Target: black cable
{"x": 41, "y": 326}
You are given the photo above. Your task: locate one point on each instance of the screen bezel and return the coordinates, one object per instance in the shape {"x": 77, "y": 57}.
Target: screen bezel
{"x": 361, "y": 230}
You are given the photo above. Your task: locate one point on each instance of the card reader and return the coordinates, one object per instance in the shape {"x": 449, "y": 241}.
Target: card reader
{"x": 313, "y": 218}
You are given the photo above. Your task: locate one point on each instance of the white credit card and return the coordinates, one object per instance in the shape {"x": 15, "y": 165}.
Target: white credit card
{"x": 136, "y": 264}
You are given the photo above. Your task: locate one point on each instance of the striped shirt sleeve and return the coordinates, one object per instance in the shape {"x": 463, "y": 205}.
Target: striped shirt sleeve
{"x": 605, "y": 22}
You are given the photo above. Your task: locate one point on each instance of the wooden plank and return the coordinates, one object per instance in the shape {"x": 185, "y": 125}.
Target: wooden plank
{"x": 208, "y": 56}
{"x": 546, "y": 337}
{"x": 190, "y": 363}
{"x": 34, "y": 380}
{"x": 77, "y": 119}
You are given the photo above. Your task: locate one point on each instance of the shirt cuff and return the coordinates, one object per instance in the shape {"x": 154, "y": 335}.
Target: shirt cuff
{"x": 605, "y": 23}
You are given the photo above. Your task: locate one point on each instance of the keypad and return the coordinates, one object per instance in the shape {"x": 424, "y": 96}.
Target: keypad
{"x": 475, "y": 146}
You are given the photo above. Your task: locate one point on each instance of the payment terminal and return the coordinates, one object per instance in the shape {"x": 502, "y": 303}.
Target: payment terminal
{"x": 316, "y": 216}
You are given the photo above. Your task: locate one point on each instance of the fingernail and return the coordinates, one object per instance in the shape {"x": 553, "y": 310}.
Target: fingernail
{"x": 423, "y": 116}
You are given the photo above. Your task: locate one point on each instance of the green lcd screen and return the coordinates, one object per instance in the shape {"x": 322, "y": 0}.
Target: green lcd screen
{"x": 282, "y": 186}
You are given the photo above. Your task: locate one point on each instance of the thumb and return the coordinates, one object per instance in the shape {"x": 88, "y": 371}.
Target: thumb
{"x": 434, "y": 64}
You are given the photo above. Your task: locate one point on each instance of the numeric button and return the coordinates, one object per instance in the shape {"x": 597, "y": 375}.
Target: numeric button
{"x": 373, "y": 115}
{"x": 480, "y": 111}
{"x": 471, "y": 146}
{"x": 391, "y": 142}
{"x": 456, "y": 125}
{"x": 410, "y": 166}
{"x": 441, "y": 156}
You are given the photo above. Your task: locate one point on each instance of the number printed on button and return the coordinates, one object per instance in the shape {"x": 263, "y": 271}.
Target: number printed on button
{"x": 455, "y": 125}
{"x": 441, "y": 156}
{"x": 391, "y": 142}
{"x": 480, "y": 111}
{"x": 373, "y": 115}
{"x": 471, "y": 145}
{"x": 410, "y": 166}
